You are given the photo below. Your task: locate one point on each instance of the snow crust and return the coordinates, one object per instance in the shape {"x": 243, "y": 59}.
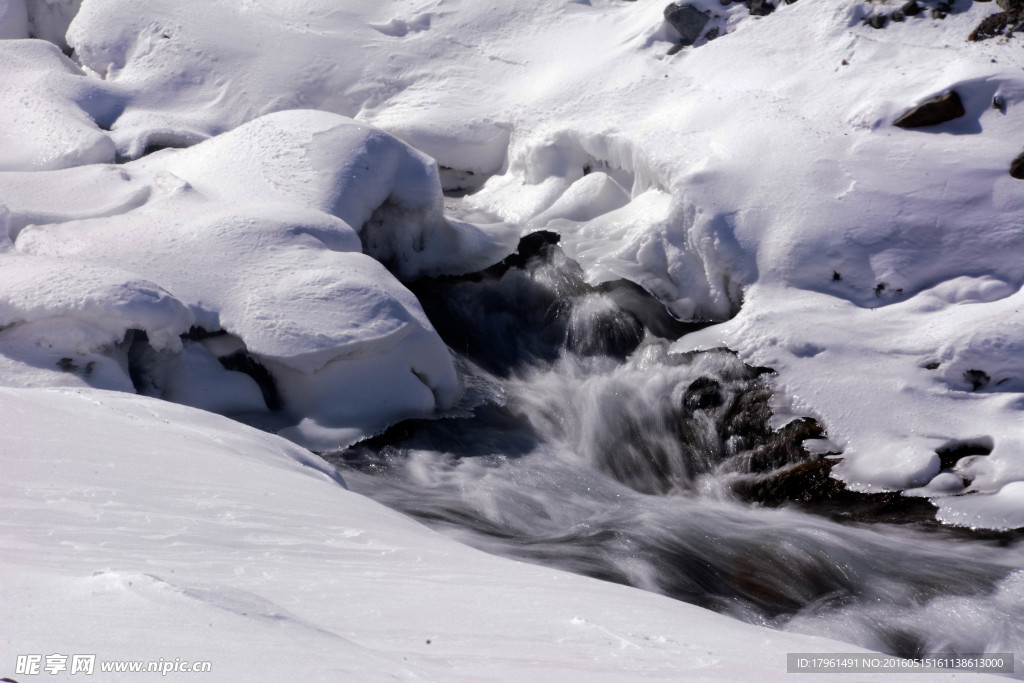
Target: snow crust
{"x": 136, "y": 529}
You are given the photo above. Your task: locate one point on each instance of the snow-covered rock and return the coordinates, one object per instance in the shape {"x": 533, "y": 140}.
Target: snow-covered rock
{"x": 262, "y": 233}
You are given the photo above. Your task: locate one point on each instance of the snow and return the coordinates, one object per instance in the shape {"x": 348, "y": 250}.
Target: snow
{"x": 136, "y": 529}
{"x": 347, "y": 345}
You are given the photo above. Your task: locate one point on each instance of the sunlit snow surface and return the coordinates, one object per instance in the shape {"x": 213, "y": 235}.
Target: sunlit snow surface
{"x": 755, "y": 180}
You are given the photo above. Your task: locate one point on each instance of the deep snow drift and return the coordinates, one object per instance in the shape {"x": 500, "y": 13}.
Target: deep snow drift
{"x": 224, "y": 205}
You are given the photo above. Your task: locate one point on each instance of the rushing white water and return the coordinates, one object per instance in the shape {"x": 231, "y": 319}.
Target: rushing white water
{"x": 592, "y": 449}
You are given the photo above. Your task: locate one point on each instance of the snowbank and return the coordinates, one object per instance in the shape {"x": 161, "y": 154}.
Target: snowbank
{"x": 140, "y": 530}
{"x": 261, "y": 233}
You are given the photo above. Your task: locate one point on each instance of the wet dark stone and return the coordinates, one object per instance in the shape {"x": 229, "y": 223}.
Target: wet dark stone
{"x": 687, "y": 20}
{"x": 760, "y": 8}
{"x": 978, "y": 379}
{"x": 199, "y": 334}
{"x": 536, "y": 244}
{"x": 139, "y": 354}
{"x": 933, "y": 112}
{"x": 898, "y": 16}
{"x": 703, "y": 393}
{"x": 748, "y": 416}
{"x": 951, "y": 453}
{"x": 1017, "y": 167}
{"x": 811, "y": 487}
{"x": 782, "y": 448}
{"x": 240, "y": 361}
{"x": 616, "y": 334}
{"x": 877, "y": 21}
{"x": 911, "y": 9}
{"x": 66, "y": 365}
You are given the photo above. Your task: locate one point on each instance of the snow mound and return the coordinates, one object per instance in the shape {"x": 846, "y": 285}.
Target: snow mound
{"x": 337, "y": 347}
{"x": 46, "y": 122}
{"x": 148, "y": 517}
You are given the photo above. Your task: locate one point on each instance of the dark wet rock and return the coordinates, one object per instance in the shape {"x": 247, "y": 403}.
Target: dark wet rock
{"x": 877, "y": 21}
{"x": 615, "y": 334}
{"x": 898, "y": 16}
{"x": 703, "y": 393}
{"x": 932, "y": 366}
{"x": 954, "y": 451}
{"x": 941, "y": 11}
{"x": 932, "y": 112}
{"x": 199, "y": 334}
{"x": 784, "y": 447}
{"x": 687, "y": 20}
{"x": 978, "y": 379}
{"x": 240, "y": 361}
{"x": 999, "y": 104}
{"x": 760, "y": 8}
{"x": 536, "y": 244}
{"x": 811, "y": 487}
{"x": 1014, "y": 7}
{"x": 1017, "y": 167}
{"x": 911, "y": 9}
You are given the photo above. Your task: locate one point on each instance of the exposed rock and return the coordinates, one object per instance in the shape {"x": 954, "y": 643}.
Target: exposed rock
{"x": 1017, "y": 167}
{"x": 687, "y": 20}
{"x": 953, "y": 452}
{"x": 760, "y": 8}
{"x": 933, "y": 112}
{"x": 703, "y": 393}
{"x": 911, "y": 8}
{"x": 990, "y": 26}
{"x": 877, "y": 21}
{"x": 941, "y": 10}
{"x": 809, "y": 486}
{"x": 898, "y": 16}
{"x": 978, "y": 379}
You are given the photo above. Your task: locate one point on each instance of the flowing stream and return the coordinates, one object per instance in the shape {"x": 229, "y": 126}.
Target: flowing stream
{"x": 584, "y": 445}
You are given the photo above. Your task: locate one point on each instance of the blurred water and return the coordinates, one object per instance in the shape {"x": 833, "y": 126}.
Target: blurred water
{"x": 586, "y": 446}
